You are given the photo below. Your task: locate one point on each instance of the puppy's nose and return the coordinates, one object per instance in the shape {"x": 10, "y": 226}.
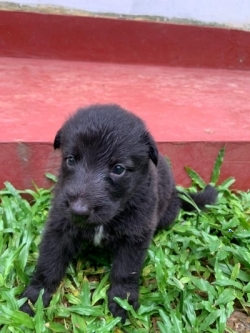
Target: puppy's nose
{"x": 80, "y": 209}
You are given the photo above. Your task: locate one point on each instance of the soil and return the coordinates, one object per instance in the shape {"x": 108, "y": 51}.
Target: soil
{"x": 239, "y": 322}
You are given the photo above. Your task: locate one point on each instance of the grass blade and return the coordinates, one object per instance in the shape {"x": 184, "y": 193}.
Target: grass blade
{"x": 217, "y": 166}
{"x": 195, "y": 177}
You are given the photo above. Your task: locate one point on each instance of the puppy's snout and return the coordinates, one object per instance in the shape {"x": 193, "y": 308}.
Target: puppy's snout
{"x": 80, "y": 209}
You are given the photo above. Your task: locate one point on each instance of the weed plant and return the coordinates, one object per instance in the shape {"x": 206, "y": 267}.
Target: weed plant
{"x": 193, "y": 278}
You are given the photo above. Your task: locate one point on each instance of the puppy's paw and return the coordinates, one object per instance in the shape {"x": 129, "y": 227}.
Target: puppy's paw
{"x": 117, "y": 311}
{"x": 32, "y": 293}
{"x": 122, "y": 292}
{"x": 27, "y": 309}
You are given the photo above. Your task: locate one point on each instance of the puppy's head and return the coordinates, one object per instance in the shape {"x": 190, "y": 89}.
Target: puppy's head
{"x": 106, "y": 154}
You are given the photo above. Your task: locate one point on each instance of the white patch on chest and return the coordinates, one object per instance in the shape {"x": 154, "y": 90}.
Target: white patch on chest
{"x": 99, "y": 235}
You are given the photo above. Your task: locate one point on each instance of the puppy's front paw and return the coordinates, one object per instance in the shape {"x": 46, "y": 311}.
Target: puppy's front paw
{"x": 122, "y": 292}
{"x": 27, "y": 309}
{"x": 32, "y": 293}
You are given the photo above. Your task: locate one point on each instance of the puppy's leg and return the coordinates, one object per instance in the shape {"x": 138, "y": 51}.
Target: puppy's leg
{"x": 171, "y": 212}
{"x": 56, "y": 251}
{"x": 126, "y": 267}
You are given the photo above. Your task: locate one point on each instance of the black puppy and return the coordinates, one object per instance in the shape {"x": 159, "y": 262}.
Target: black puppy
{"x": 114, "y": 191}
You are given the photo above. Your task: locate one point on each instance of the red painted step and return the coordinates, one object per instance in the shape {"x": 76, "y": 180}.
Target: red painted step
{"x": 191, "y": 112}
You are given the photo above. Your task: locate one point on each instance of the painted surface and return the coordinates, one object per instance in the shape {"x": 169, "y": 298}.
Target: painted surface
{"x": 191, "y": 113}
{"x": 190, "y": 85}
{"x": 122, "y": 41}
{"x": 198, "y": 155}
{"x": 178, "y": 104}
{"x": 233, "y": 13}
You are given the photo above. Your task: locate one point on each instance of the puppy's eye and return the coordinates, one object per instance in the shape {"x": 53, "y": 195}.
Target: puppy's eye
{"x": 118, "y": 170}
{"x": 70, "y": 160}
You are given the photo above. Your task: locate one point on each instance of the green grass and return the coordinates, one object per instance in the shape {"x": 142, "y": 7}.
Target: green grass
{"x": 193, "y": 277}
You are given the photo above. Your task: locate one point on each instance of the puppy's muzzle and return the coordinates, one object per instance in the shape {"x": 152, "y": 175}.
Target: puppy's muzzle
{"x": 80, "y": 209}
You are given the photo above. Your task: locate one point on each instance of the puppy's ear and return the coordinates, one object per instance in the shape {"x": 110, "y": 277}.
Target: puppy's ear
{"x": 153, "y": 151}
{"x": 57, "y": 140}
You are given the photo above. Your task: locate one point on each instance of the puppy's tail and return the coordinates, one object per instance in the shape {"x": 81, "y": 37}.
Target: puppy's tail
{"x": 206, "y": 197}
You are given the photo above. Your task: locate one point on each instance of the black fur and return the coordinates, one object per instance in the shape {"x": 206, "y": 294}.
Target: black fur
{"x": 111, "y": 179}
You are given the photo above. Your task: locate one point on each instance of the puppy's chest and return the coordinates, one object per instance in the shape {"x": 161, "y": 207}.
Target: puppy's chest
{"x": 100, "y": 235}
{"x": 105, "y": 237}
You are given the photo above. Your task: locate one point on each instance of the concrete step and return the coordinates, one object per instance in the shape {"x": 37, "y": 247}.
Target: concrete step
{"x": 191, "y": 112}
